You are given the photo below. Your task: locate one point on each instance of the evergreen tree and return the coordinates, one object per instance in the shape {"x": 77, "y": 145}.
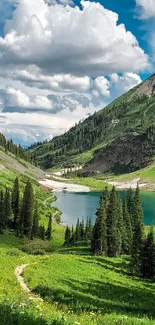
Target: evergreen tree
{"x": 35, "y": 228}
{"x": 27, "y": 210}
{"x": 20, "y": 225}
{"x": 77, "y": 230}
{"x": 137, "y": 234}
{"x": 113, "y": 237}
{"x": 130, "y": 205}
{"x": 148, "y": 256}
{"x": 99, "y": 235}
{"x": 88, "y": 230}
{"x": 106, "y": 197}
{"x": 72, "y": 239}
{"x": 42, "y": 232}
{"x": 49, "y": 229}
{"x": 67, "y": 236}
{"x": 120, "y": 224}
{"x": 15, "y": 202}
{"x": 7, "y": 208}
{"x": 127, "y": 238}
{"x": 82, "y": 229}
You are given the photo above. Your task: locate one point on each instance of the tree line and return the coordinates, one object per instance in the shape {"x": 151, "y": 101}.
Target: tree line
{"x": 118, "y": 230}
{"x": 16, "y": 150}
{"x": 21, "y": 213}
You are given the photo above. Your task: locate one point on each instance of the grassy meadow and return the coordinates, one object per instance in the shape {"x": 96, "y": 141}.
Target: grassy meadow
{"x": 76, "y": 288}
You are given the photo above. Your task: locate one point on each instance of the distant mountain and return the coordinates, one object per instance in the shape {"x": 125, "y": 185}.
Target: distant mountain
{"x": 119, "y": 138}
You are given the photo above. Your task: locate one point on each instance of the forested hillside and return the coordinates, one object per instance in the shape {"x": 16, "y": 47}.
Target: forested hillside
{"x": 130, "y": 115}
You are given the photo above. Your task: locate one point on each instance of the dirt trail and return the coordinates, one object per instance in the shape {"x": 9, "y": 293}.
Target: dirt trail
{"x": 18, "y": 273}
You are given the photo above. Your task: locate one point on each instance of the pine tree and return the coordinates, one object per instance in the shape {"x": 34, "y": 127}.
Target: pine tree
{"x": 137, "y": 234}
{"x": 82, "y": 229}
{"x": 27, "y": 210}
{"x": 67, "y": 236}
{"x": 130, "y": 205}
{"x": 49, "y": 229}
{"x": 113, "y": 237}
{"x": 148, "y": 256}
{"x": 99, "y": 235}
{"x": 128, "y": 235}
{"x": 120, "y": 224}
{"x": 77, "y": 231}
{"x": 106, "y": 197}
{"x": 35, "y": 228}
{"x": 72, "y": 239}
{"x": 7, "y": 208}
{"x": 15, "y": 202}
{"x": 42, "y": 232}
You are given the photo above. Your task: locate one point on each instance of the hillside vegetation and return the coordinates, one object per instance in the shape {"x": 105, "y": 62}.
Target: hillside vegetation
{"x": 124, "y": 124}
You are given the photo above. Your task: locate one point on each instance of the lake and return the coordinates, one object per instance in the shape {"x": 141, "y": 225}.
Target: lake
{"x": 78, "y": 205}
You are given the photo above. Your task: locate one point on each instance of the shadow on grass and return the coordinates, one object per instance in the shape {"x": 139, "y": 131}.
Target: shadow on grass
{"x": 11, "y": 316}
{"x": 120, "y": 267}
{"x": 101, "y": 296}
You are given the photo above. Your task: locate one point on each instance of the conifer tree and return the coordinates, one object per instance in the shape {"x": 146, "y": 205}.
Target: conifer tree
{"x": 77, "y": 230}
{"x": 72, "y": 239}
{"x": 49, "y": 229}
{"x": 106, "y": 197}
{"x": 27, "y": 210}
{"x": 7, "y": 208}
{"x": 137, "y": 234}
{"x": 130, "y": 205}
{"x": 120, "y": 224}
{"x": 42, "y": 232}
{"x": 20, "y": 225}
{"x": 82, "y": 229}
{"x": 113, "y": 237}
{"x": 15, "y": 200}
{"x": 148, "y": 256}
{"x": 35, "y": 228}
{"x": 127, "y": 238}
{"x": 67, "y": 236}
{"x": 99, "y": 235}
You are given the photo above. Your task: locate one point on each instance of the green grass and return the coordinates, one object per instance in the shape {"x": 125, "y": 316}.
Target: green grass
{"x": 97, "y": 290}
{"x": 77, "y": 288}
{"x": 93, "y": 183}
{"x": 85, "y": 157}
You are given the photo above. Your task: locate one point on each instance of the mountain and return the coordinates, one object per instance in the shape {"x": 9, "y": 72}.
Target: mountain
{"x": 14, "y": 161}
{"x": 119, "y": 138}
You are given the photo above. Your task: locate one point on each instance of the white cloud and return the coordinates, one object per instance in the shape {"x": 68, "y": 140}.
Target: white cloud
{"x": 102, "y": 85}
{"x": 121, "y": 84}
{"x": 33, "y": 77}
{"x": 13, "y": 98}
{"x": 65, "y": 40}
{"x": 147, "y": 8}
{"x": 62, "y": 63}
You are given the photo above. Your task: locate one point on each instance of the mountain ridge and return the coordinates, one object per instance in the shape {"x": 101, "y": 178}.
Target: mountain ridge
{"x": 130, "y": 115}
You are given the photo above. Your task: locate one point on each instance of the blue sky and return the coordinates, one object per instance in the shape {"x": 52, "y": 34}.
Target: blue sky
{"x": 61, "y": 60}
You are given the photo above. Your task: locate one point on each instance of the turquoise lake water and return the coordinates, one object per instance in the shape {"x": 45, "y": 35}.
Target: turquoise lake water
{"x": 79, "y": 205}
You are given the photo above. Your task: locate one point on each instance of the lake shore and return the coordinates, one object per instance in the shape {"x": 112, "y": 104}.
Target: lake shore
{"x": 129, "y": 184}
{"x": 58, "y": 186}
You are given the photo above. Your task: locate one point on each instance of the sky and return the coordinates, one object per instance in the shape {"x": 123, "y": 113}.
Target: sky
{"x": 62, "y": 60}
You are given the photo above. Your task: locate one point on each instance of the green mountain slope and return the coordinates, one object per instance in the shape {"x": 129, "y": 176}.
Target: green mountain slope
{"x": 100, "y": 141}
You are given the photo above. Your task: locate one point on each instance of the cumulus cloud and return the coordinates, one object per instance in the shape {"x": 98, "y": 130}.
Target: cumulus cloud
{"x": 65, "y": 40}
{"x": 102, "y": 84}
{"x": 147, "y": 8}
{"x": 60, "y": 63}
{"x": 12, "y": 99}
{"x": 123, "y": 83}
{"x": 32, "y": 77}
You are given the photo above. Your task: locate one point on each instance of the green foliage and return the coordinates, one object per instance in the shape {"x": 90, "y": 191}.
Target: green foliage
{"x": 15, "y": 201}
